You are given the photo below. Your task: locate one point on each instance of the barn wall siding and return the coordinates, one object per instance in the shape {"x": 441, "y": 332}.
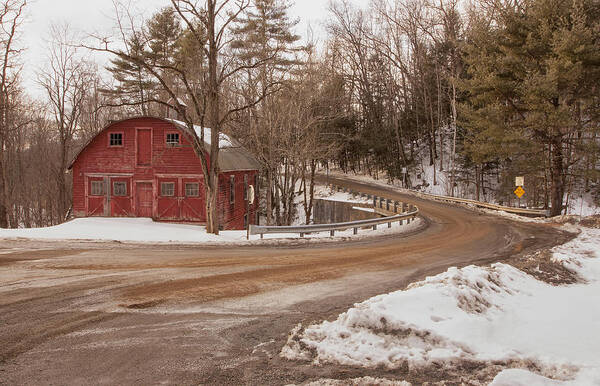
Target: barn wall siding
{"x": 177, "y": 164}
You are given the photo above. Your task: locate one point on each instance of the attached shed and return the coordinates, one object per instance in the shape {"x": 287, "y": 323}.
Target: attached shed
{"x": 146, "y": 167}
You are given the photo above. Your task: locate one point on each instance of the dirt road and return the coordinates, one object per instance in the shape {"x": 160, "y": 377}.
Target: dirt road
{"x": 82, "y": 313}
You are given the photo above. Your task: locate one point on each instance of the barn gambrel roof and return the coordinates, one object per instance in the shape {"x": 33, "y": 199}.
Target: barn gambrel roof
{"x": 232, "y": 155}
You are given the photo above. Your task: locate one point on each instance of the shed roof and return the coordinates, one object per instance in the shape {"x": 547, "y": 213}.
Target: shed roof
{"x": 232, "y": 155}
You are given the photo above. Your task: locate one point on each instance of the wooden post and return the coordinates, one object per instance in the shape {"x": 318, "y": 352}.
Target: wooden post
{"x": 332, "y": 233}
{"x": 355, "y": 231}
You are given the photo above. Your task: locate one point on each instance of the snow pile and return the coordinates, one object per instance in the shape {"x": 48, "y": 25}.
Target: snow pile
{"x": 495, "y": 313}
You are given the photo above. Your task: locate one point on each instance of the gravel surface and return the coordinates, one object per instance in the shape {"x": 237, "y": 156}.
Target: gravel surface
{"x": 107, "y": 313}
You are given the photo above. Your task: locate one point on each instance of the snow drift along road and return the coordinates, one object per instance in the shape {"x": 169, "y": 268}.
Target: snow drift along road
{"x": 494, "y": 313}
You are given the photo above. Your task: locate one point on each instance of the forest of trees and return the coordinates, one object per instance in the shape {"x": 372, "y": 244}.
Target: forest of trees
{"x": 476, "y": 93}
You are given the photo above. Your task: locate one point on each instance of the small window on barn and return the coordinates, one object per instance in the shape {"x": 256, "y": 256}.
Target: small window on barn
{"x": 232, "y": 189}
{"x": 167, "y": 189}
{"x": 116, "y": 139}
{"x": 172, "y": 139}
{"x": 192, "y": 189}
{"x": 120, "y": 189}
{"x": 97, "y": 188}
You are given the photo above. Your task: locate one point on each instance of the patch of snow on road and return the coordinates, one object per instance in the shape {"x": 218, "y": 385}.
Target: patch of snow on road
{"x": 364, "y": 381}
{"x": 494, "y": 313}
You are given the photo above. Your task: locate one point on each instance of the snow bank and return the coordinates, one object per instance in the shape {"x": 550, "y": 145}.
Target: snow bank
{"x": 144, "y": 230}
{"x": 495, "y": 313}
{"x": 583, "y": 206}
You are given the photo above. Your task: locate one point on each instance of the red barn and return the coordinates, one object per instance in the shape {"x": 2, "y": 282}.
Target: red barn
{"x": 146, "y": 167}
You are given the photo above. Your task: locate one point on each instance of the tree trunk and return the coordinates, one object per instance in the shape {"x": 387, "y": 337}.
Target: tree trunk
{"x": 269, "y": 197}
{"x": 557, "y": 177}
{"x": 212, "y": 225}
{"x": 3, "y": 192}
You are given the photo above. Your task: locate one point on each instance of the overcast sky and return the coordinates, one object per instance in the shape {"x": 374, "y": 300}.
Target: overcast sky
{"x": 98, "y": 15}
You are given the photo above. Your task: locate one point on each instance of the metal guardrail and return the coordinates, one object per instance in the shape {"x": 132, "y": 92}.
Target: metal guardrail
{"x": 508, "y": 209}
{"x": 393, "y": 209}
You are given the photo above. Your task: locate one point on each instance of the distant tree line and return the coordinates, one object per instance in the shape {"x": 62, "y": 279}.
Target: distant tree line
{"x": 478, "y": 93}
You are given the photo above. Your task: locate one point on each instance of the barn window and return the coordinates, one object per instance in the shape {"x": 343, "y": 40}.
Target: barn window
{"x": 192, "y": 189}
{"x": 116, "y": 139}
{"x": 120, "y": 189}
{"x": 172, "y": 139}
{"x": 231, "y": 189}
{"x": 167, "y": 189}
{"x": 97, "y": 188}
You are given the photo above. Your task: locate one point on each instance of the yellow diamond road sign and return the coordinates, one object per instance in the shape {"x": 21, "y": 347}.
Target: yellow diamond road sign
{"x": 519, "y": 192}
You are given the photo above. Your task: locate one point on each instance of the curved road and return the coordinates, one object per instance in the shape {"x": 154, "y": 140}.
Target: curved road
{"x": 82, "y": 313}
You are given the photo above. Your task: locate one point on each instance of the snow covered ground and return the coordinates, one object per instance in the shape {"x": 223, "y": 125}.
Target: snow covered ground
{"x": 145, "y": 230}
{"x": 490, "y": 314}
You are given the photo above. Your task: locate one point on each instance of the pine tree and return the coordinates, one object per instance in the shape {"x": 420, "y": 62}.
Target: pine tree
{"x": 156, "y": 44}
{"x": 134, "y": 85}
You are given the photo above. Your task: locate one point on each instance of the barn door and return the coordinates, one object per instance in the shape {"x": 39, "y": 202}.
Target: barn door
{"x": 143, "y": 199}
{"x": 144, "y": 147}
{"x": 193, "y": 206}
{"x": 120, "y": 197}
{"x": 97, "y": 196}
{"x": 168, "y": 205}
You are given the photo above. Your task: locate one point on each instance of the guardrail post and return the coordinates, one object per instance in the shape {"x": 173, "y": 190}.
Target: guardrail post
{"x": 395, "y": 206}
{"x": 332, "y": 233}
{"x": 355, "y": 231}
{"x": 374, "y": 201}
{"x": 375, "y": 227}
{"x": 389, "y": 224}
{"x": 262, "y": 236}
{"x": 301, "y": 234}
{"x": 387, "y": 204}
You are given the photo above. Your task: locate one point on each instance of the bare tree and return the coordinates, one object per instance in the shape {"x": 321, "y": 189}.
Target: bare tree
{"x": 65, "y": 80}
{"x": 11, "y": 18}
